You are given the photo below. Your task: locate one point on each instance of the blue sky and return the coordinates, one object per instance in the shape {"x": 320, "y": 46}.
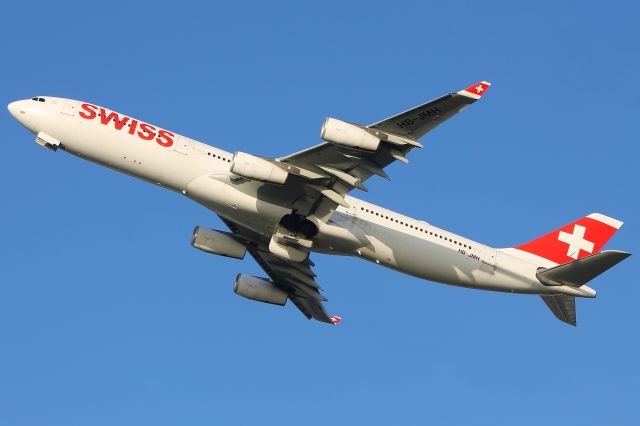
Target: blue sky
{"x": 108, "y": 316}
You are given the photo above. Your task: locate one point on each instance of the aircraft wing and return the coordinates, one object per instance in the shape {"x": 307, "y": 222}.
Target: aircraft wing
{"x": 416, "y": 122}
{"x": 319, "y": 178}
{"x": 296, "y": 278}
{"x": 329, "y": 171}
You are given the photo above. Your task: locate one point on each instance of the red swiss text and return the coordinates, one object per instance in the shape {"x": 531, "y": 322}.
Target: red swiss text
{"x": 142, "y": 130}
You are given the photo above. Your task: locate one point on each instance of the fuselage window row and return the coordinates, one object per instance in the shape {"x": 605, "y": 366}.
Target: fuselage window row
{"x": 219, "y": 157}
{"x": 426, "y": 231}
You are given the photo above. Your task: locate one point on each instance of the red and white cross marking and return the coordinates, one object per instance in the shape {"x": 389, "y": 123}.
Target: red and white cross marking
{"x": 475, "y": 91}
{"x": 576, "y": 241}
{"x": 584, "y": 237}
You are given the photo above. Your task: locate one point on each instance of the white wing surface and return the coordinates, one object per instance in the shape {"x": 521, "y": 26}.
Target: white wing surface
{"x": 324, "y": 173}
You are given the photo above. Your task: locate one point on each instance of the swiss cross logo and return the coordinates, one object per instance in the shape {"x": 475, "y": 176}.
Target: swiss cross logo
{"x": 576, "y": 241}
{"x": 476, "y": 90}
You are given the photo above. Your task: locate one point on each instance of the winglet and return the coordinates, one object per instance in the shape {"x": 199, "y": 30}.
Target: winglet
{"x": 335, "y": 319}
{"x": 475, "y": 91}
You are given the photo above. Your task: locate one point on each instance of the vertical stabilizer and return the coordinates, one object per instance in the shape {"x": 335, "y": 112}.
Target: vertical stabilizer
{"x": 584, "y": 237}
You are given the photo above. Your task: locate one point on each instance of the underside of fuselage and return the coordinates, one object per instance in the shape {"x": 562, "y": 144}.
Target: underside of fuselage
{"x": 418, "y": 251}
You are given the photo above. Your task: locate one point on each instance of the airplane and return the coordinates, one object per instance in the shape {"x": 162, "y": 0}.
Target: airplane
{"x": 280, "y": 210}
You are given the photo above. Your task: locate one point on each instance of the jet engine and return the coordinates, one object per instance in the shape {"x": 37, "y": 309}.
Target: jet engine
{"x": 259, "y": 289}
{"x": 256, "y": 168}
{"x": 217, "y": 242}
{"x": 348, "y": 135}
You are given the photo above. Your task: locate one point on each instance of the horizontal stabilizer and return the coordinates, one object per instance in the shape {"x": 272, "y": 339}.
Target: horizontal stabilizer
{"x": 563, "y": 307}
{"x": 581, "y": 271}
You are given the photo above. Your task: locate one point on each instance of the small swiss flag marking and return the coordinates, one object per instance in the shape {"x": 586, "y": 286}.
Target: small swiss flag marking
{"x": 478, "y": 89}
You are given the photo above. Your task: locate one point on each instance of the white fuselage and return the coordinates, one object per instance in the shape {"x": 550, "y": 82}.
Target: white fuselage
{"x": 363, "y": 230}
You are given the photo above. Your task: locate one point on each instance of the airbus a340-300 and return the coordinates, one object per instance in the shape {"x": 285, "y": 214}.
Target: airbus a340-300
{"x": 279, "y": 210}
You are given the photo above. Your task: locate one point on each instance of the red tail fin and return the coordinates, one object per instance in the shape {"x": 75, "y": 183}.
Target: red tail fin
{"x": 575, "y": 240}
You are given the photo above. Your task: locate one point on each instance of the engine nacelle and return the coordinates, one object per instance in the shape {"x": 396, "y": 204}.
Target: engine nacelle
{"x": 349, "y": 135}
{"x": 259, "y": 289}
{"x": 256, "y": 168}
{"x": 217, "y": 242}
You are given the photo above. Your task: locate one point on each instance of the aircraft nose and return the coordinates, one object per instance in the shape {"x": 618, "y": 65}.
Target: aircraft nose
{"x": 22, "y": 113}
{"x": 13, "y": 109}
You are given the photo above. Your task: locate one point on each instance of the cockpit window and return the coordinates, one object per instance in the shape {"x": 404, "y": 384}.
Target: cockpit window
{"x": 41, "y": 99}
{"x": 34, "y": 99}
